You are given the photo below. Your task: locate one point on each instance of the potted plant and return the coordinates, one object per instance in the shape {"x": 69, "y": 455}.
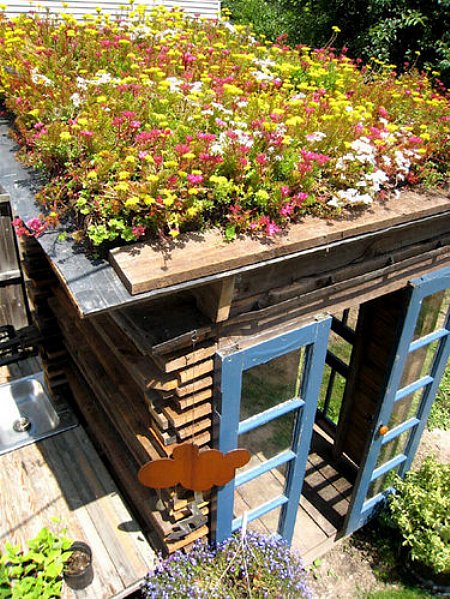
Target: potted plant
{"x": 420, "y": 510}
{"x": 243, "y": 566}
{"x": 78, "y": 570}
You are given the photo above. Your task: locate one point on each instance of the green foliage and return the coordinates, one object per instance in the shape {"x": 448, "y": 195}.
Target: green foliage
{"x": 420, "y": 509}
{"x": 36, "y": 573}
{"x": 440, "y": 411}
{"x": 417, "y": 31}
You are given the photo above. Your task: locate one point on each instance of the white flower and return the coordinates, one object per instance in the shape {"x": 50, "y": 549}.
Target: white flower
{"x": 352, "y": 196}
{"x": 75, "y": 99}
{"x": 378, "y": 177}
{"x": 261, "y": 76}
{"x": 174, "y": 84}
{"x": 334, "y": 202}
{"x": 39, "y": 79}
{"x": 197, "y": 86}
{"x": 166, "y": 33}
{"x": 101, "y": 79}
{"x": 264, "y": 63}
{"x": 228, "y": 26}
{"x": 82, "y": 83}
{"x": 316, "y": 136}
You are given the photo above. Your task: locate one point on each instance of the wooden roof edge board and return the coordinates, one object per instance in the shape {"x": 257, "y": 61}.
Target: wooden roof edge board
{"x": 148, "y": 266}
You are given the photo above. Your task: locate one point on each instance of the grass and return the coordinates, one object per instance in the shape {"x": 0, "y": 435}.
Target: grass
{"x": 404, "y": 593}
{"x": 440, "y": 411}
{"x": 381, "y": 546}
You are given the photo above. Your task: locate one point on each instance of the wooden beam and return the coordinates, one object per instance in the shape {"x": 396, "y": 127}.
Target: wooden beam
{"x": 215, "y": 299}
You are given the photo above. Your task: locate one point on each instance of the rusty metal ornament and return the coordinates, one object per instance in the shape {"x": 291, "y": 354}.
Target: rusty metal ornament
{"x": 193, "y": 469}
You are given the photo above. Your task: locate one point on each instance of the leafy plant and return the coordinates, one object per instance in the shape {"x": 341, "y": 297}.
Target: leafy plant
{"x": 251, "y": 566}
{"x": 420, "y": 509}
{"x": 34, "y": 573}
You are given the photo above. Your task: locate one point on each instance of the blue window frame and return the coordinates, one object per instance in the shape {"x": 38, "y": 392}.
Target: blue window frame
{"x": 302, "y": 406}
{"x": 406, "y": 403}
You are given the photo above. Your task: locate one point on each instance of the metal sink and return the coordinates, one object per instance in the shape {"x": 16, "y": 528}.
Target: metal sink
{"x": 27, "y": 414}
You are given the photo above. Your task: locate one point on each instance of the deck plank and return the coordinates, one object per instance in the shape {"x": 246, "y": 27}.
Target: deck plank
{"x": 63, "y": 477}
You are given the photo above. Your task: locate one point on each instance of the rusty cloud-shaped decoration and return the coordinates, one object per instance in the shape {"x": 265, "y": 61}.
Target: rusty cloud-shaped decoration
{"x": 192, "y": 469}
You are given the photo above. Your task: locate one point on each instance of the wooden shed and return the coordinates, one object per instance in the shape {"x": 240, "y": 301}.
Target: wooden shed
{"x": 320, "y": 352}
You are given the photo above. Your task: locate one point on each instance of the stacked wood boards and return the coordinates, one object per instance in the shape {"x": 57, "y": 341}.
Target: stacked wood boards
{"x": 142, "y": 379}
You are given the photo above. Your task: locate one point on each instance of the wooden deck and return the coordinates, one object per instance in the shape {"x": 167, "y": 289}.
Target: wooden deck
{"x": 63, "y": 477}
{"x": 324, "y": 502}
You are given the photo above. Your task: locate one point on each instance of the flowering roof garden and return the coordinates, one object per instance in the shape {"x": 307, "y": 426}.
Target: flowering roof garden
{"x": 155, "y": 124}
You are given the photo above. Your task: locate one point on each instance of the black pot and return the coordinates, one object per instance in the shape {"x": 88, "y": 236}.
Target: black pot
{"x": 82, "y": 578}
{"x": 425, "y": 577}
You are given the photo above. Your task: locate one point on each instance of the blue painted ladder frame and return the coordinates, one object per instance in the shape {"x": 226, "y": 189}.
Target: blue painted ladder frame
{"x": 314, "y": 337}
{"x": 362, "y": 509}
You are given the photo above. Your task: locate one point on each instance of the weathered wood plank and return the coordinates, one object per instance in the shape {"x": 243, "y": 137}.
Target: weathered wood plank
{"x": 63, "y": 477}
{"x": 184, "y": 358}
{"x": 145, "y": 266}
{"x": 125, "y": 467}
{"x": 335, "y": 297}
{"x": 165, "y": 325}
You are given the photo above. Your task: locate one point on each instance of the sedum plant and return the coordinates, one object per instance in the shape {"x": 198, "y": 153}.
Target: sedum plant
{"x": 154, "y": 124}
{"x": 251, "y": 566}
{"x": 420, "y": 509}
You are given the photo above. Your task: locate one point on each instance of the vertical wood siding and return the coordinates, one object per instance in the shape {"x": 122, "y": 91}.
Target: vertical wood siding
{"x": 79, "y": 8}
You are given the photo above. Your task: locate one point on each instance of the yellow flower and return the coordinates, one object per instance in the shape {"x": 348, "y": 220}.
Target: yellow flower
{"x": 65, "y": 136}
{"x": 152, "y": 178}
{"x": 132, "y": 202}
{"x": 121, "y": 186}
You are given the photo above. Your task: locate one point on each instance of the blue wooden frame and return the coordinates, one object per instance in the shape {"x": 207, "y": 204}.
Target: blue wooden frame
{"x": 361, "y": 509}
{"x": 314, "y": 337}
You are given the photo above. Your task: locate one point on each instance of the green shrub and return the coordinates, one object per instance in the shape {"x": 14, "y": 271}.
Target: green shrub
{"x": 420, "y": 509}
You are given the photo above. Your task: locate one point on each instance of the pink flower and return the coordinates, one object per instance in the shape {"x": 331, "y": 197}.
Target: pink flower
{"x": 86, "y": 133}
{"x": 138, "y": 231}
{"x": 135, "y": 124}
{"x": 301, "y": 197}
{"x": 272, "y": 228}
{"x": 383, "y": 112}
{"x": 182, "y": 149}
{"x": 261, "y": 159}
{"x": 286, "y": 210}
{"x": 34, "y": 223}
{"x": 285, "y": 191}
{"x": 142, "y": 155}
{"x": 195, "y": 179}
{"x": 415, "y": 140}
{"x": 206, "y": 136}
